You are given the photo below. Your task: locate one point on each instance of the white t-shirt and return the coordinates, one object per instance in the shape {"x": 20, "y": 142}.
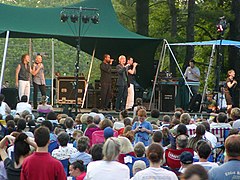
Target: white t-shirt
{"x": 107, "y": 170}
{"x": 207, "y": 165}
{"x": 152, "y": 173}
{"x": 211, "y": 137}
{"x": 22, "y": 106}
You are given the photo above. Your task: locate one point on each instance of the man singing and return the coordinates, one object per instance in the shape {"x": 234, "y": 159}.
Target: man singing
{"x": 122, "y": 83}
{"x": 131, "y": 79}
{"x": 38, "y": 79}
{"x": 106, "y": 81}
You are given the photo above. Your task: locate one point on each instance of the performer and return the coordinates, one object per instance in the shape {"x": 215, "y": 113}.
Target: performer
{"x": 229, "y": 89}
{"x": 122, "y": 83}
{"x": 192, "y": 74}
{"x": 38, "y": 79}
{"x": 131, "y": 79}
{"x": 106, "y": 81}
{"x": 23, "y": 71}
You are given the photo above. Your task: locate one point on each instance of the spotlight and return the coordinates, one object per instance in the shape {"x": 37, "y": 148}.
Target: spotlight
{"x": 74, "y": 18}
{"x": 85, "y": 19}
{"x": 95, "y": 19}
{"x": 64, "y": 17}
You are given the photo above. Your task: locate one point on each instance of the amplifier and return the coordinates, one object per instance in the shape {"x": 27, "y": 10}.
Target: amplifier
{"x": 66, "y": 90}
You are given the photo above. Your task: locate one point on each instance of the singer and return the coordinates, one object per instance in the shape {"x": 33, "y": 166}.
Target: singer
{"x": 38, "y": 79}
{"x": 131, "y": 80}
{"x": 229, "y": 89}
{"x": 122, "y": 83}
{"x": 23, "y": 71}
{"x": 106, "y": 81}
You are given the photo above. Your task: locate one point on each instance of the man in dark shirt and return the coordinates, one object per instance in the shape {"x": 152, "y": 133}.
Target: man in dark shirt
{"x": 106, "y": 81}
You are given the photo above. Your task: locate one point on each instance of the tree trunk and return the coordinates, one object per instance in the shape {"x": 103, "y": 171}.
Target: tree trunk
{"x": 142, "y": 16}
{"x": 173, "y": 13}
{"x": 234, "y": 54}
{"x": 190, "y": 31}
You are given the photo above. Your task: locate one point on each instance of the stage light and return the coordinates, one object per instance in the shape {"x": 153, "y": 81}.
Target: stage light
{"x": 64, "y": 17}
{"x": 85, "y": 19}
{"x": 95, "y": 19}
{"x": 74, "y": 18}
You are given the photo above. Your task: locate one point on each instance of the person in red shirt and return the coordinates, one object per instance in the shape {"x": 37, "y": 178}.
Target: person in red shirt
{"x": 41, "y": 165}
{"x": 77, "y": 170}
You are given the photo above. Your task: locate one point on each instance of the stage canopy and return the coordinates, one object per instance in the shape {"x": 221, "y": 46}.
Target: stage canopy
{"x": 209, "y": 43}
{"x": 108, "y": 36}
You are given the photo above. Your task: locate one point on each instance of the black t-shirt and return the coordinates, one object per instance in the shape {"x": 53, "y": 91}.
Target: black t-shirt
{"x": 12, "y": 172}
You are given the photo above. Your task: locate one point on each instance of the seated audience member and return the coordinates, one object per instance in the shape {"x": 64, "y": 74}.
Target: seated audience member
{"x": 4, "y": 108}
{"x": 210, "y": 104}
{"x": 44, "y": 108}
{"x": 221, "y": 122}
{"x": 208, "y": 135}
{"x": 139, "y": 150}
{"x": 21, "y": 127}
{"x": 155, "y": 156}
{"x": 180, "y": 130}
{"x": 235, "y": 115}
{"x": 154, "y": 117}
{"x": 77, "y": 170}
{"x": 108, "y": 132}
{"x": 200, "y": 131}
{"x": 21, "y": 151}
{"x": 69, "y": 126}
{"x": 166, "y": 121}
{"x": 41, "y": 165}
{"x": 139, "y": 105}
{"x": 10, "y": 127}
{"x": 23, "y": 105}
{"x": 108, "y": 168}
{"x": 142, "y": 129}
{"x": 186, "y": 159}
{"x": 9, "y": 117}
{"x": 76, "y": 135}
{"x": 78, "y": 122}
{"x": 186, "y": 119}
{"x": 125, "y": 149}
{"x": 53, "y": 144}
{"x": 91, "y": 127}
{"x": 195, "y": 172}
{"x": 96, "y": 152}
{"x": 230, "y": 169}
{"x": 96, "y": 120}
{"x": 204, "y": 151}
{"x": 172, "y": 155}
{"x": 52, "y": 117}
{"x": 64, "y": 151}
{"x": 82, "y": 147}
{"x": 84, "y": 121}
{"x": 138, "y": 165}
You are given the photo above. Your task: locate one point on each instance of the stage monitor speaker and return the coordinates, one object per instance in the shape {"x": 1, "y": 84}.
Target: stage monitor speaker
{"x": 66, "y": 90}
{"x": 167, "y": 98}
{"x": 11, "y": 96}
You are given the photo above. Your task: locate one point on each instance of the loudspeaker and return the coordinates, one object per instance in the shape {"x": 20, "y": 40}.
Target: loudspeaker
{"x": 195, "y": 102}
{"x": 11, "y": 97}
{"x": 66, "y": 90}
{"x": 167, "y": 98}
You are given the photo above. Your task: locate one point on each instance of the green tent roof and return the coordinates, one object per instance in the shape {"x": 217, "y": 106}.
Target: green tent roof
{"x": 108, "y": 36}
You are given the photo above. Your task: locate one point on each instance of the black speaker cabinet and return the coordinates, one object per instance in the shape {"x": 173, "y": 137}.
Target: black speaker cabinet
{"x": 11, "y": 96}
{"x": 167, "y": 98}
{"x": 66, "y": 90}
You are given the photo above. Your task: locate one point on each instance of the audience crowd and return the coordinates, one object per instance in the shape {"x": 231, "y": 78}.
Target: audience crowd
{"x": 92, "y": 146}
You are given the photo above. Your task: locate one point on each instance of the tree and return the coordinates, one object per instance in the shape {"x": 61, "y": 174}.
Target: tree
{"x": 142, "y": 16}
{"x": 190, "y": 31}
